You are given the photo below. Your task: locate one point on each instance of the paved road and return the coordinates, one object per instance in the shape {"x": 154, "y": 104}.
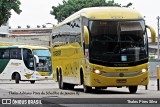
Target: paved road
{"x": 49, "y": 92}
{"x": 49, "y": 89}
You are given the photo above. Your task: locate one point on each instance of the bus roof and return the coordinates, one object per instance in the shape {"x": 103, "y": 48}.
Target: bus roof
{"x": 105, "y": 13}
{"x": 24, "y": 46}
{"x": 33, "y": 47}
{"x": 5, "y": 44}
{"x": 2, "y": 47}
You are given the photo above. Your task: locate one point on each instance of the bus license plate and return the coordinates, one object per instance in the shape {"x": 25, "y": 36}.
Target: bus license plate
{"x": 121, "y": 80}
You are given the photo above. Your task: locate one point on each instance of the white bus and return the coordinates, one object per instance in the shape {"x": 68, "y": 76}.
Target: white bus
{"x": 25, "y": 63}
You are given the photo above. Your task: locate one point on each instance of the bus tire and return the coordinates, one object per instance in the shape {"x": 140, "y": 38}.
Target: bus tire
{"x": 17, "y": 78}
{"x": 70, "y": 86}
{"x": 99, "y": 88}
{"x": 86, "y": 89}
{"x": 32, "y": 81}
{"x": 57, "y": 80}
{"x": 133, "y": 89}
{"x": 61, "y": 84}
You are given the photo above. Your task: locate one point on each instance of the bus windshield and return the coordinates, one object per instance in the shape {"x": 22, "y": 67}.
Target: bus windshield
{"x": 42, "y": 52}
{"x": 44, "y": 64}
{"x": 118, "y": 42}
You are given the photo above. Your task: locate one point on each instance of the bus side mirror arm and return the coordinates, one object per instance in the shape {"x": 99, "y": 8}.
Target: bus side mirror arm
{"x": 153, "y": 33}
{"x": 37, "y": 59}
{"x": 86, "y": 35}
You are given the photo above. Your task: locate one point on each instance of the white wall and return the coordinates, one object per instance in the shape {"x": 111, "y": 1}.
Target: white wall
{"x": 4, "y": 30}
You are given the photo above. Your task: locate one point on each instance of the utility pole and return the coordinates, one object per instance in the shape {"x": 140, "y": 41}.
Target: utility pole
{"x": 158, "y": 37}
{"x": 50, "y": 36}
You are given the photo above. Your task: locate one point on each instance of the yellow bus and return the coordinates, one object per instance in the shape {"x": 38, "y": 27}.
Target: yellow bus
{"x": 101, "y": 47}
{"x": 4, "y": 44}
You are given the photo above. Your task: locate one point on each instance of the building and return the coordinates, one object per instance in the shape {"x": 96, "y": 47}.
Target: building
{"x": 153, "y": 47}
{"x": 4, "y": 30}
{"x": 39, "y": 33}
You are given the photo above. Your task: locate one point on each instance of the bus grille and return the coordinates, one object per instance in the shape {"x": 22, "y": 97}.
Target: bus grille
{"x": 121, "y": 74}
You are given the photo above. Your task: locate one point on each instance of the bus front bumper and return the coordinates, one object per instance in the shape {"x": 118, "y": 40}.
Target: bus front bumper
{"x": 97, "y": 80}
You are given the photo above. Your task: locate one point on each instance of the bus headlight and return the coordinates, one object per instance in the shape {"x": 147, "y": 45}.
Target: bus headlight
{"x": 97, "y": 71}
{"x": 144, "y": 70}
{"x": 93, "y": 70}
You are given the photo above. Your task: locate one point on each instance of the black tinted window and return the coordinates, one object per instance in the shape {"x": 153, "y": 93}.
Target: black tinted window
{"x": 15, "y": 54}
{"x": 4, "y": 53}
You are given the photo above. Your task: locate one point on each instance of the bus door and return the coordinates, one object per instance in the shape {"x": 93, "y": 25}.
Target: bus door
{"x": 28, "y": 59}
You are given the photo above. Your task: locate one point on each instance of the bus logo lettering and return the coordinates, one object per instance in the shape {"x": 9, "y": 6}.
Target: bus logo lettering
{"x": 57, "y": 53}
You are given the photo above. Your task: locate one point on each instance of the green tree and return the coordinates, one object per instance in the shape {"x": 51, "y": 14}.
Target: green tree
{"x": 71, "y": 6}
{"x": 5, "y": 9}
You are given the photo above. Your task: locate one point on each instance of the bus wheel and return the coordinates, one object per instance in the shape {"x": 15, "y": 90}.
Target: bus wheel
{"x": 87, "y": 89}
{"x": 70, "y": 86}
{"x": 32, "y": 81}
{"x": 99, "y": 88}
{"x": 61, "y": 84}
{"x": 17, "y": 78}
{"x": 133, "y": 89}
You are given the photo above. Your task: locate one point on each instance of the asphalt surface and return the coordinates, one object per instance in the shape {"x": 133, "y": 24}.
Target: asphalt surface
{"x": 51, "y": 96}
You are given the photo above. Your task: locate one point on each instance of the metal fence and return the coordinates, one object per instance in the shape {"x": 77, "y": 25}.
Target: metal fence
{"x": 24, "y": 41}
{"x": 152, "y": 67}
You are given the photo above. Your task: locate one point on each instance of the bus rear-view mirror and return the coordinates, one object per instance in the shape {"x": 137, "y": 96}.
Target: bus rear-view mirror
{"x": 86, "y": 35}
{"x": 153, "y": 33}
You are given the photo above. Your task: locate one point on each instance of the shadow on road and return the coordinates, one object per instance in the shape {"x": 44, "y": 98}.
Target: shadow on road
{"x": 102, "y": 91}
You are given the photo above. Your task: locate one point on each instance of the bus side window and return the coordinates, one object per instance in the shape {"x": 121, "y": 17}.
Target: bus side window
{"x": 1, "y": 54}
{"x": 4, "y": 54}
{"x": 27, "y": 55}
{"x": 15, "y": 54}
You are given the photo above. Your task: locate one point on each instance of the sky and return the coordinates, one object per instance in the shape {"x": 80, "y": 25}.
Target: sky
{"x": 34, "y": 12}
{"x": 37, "y": 12}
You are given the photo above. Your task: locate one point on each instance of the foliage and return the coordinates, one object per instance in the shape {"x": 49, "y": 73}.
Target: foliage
{"x": 71, "y": 6}
{"x": 152, "y": 58}
{"x": 5, "y": 9}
